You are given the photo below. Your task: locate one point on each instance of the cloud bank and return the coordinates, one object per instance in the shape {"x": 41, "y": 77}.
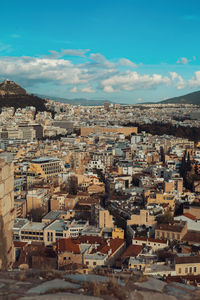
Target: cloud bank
{"x": 94, "y": 73}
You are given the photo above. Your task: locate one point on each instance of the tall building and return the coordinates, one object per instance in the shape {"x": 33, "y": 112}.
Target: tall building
{"x": 46, "y": 167}
{"x": 105, "y": 219}
{"x": 6, "y": 212}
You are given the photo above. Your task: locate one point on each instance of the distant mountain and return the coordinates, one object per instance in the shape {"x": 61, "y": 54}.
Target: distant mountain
{"x": 13, "y": 95}
{"x": 76, "y": 101}
{"x": 192, "y": 98}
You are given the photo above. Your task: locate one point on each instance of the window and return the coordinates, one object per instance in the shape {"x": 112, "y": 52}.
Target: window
{"x": 195, "y": 269}
{"x": 94, "y": 263}
{"x": 179, "y": 270}
{"x": 186, "y": 270}
{"x": 190, "y": 269}
{"x": 64, "y": 258}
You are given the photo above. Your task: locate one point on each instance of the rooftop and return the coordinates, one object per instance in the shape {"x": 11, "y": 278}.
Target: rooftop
{"x": 34, "y": 226}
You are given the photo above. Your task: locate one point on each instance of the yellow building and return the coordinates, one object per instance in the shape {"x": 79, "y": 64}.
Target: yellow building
{"x": 187, "y": 265}
{"x": 118, "y": 233}
{"x": 46, "y": 167}
{"x": 161, "y": 198}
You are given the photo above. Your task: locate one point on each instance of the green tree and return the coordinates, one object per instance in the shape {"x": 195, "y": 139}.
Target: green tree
{"x": 162, "y": 154}
{"x": 165, "y": 218}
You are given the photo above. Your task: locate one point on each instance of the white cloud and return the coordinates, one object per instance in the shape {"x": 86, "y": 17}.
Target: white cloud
{"x": 132, "y": 80}
{"x": 100, "y": 60}
{"x": 183, "y": 61}
{"x": 178, "y": 80}
{"x": 87, "y": 89}
{"x": 41, "y": 69}
{"x": 96, "y": 73}
{"x": 194, "y": 82}
{"x": 73, "y": 90}
{"x": 126, "y": 62}
{"x": 69, "y": 52}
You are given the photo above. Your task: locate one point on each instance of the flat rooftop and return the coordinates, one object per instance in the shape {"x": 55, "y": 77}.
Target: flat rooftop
{"x": 53, "y": 215}
{"x": 34, "y": 226}
{"x": 58, "y": 225}
{"x": 19, "y": 223}
{"x": 41, "y": 160}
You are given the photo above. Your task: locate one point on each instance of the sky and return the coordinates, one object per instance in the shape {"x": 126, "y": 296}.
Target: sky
{"x": 130, "y": 51}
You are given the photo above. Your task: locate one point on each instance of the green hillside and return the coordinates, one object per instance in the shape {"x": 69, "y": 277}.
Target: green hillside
{"x": 192, "y": 98}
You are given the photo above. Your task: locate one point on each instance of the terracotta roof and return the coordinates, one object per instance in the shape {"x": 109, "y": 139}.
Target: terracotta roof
{"x": 150, "y": 240}
{"x": 176, "y": 226}
{"x": 190, "y": 216}
{"x": 132, "y": 250}
{"x": 67, "y": 245}
{"x": 114, "y": 245}
{"x": 187, "y": 259}
{"x": 192, "y": 236}
{"x": 19, "y": 244}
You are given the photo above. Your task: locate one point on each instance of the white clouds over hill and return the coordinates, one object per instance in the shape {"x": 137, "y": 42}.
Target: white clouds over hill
{"x": 93, "y": 72}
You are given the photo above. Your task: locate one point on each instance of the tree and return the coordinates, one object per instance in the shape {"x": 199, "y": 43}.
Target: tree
{"x": 72, "y": 185}
{"x": 162, "y": 154}
{"x": 165, "y": 218}
{"x": 188, "y": 165}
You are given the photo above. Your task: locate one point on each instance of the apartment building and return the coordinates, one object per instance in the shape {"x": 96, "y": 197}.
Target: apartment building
{"x": 46, "y": 167}
{"x": 173, "y": 231}
{"x": 6, "y": 212}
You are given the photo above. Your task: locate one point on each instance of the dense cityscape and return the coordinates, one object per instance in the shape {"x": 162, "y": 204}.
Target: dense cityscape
{"x": 84, "y": 192}
{"x": 100, "y": 150}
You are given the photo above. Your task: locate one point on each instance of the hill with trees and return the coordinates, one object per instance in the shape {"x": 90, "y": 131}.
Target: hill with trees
{"x": 13, "y": 95}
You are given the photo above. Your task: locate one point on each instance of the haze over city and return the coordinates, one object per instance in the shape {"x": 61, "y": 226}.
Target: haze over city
{"x": 123, "y": 51}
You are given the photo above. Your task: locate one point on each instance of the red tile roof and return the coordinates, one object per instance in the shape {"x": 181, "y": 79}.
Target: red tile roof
{"x": 190, "y": 216}
{"x": 67, "y": 245}
{"x": 113, "y": 244}
{"x": 150, "y": 240}
{"x": 132, "y": 250}
{"x": 187, "y": 259}
{"x": 19, "y": 244}
{"x": 192, "y": 237}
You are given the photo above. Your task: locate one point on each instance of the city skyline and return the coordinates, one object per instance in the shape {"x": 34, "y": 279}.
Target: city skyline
{"x": 126, "y": 52}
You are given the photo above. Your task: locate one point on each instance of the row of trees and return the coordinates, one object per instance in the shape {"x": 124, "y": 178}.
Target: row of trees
{"x": 156, "y": 128}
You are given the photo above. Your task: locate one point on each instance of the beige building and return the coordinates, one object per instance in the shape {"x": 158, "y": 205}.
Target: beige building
{"x": 172, "y": 231}
{"x": 105, "y": 219}
{"x": 124, "y": 130}
{"x": 62, "y": 201}
{"x": 194, "y": 211}
{"x": 144, "y": 218}
{"x": 173, "y": 185}
{"x": 187, "y": 265}
{"x": 6, "y": 212}
{"x": 37, "y": 198}
{"x": 46, "y": 167}
{"x": 161, "y": 198}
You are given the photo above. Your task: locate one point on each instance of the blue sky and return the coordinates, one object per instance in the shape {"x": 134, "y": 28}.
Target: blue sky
{"x": 126, "y": 51}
